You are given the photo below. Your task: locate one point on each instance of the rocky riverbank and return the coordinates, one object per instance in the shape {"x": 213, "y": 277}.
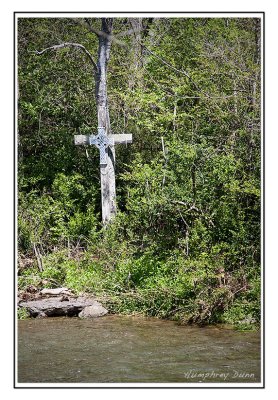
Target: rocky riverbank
{"x": 59, "y": 302}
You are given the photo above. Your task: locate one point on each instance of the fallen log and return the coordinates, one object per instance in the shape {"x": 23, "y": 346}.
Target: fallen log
{"x": 55, "y": 292}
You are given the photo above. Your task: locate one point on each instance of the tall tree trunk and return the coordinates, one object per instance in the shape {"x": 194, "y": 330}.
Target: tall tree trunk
{"x": 108, "y": 190}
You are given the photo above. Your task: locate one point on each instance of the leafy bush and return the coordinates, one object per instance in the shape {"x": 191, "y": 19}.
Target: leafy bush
{"x": 186, "y": 240}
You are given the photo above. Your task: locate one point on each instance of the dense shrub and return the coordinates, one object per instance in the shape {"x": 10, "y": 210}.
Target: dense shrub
{"x": 186, "y": 240}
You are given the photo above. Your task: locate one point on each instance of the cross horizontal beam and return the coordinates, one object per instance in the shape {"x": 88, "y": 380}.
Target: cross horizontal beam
{"x": 120, "y": 138}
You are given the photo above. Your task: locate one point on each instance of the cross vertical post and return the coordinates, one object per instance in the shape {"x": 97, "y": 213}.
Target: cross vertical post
{"x": 105, "y": 143}
{"x": 107, "y": 170}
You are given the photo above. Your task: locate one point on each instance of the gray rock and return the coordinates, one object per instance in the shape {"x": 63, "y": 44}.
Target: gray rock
{"x": 42, "y": 315}
{"x": 52, "y": 307}
{"x": 93, "y": 311}
{"x": 248, "y": 320}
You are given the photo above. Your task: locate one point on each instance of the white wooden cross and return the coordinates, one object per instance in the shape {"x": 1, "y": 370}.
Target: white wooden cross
{"x": 105, "y": 143}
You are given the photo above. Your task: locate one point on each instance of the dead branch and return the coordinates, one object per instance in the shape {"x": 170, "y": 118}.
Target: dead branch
{"x": 86, "y": 23}
{"x": 194, "y": 208}
{"x": 38, "y": 257}
{"x": 69, "y": 44}
{"x": 185, "y": 223}
{"x": 174, "y": 68}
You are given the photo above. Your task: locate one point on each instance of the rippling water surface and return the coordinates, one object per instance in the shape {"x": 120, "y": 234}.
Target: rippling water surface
{"x": 130, "y": 349}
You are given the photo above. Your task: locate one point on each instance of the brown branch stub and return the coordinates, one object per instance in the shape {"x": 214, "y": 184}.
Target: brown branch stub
{"x": 69, "y": 44}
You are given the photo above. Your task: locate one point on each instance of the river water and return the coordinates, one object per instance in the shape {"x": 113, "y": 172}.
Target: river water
{"x": 131, "y": 350}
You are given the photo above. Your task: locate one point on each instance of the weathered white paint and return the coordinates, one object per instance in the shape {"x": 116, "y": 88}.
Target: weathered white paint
{"x": 107, "y": 173}
{"x": 120, "y": 138}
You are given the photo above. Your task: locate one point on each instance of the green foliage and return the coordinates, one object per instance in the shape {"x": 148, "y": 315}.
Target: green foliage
{"x": 58, "y": 216}
{"x": 22, "y": 313}
{"x": 27, "y": 277}
{"x": 188, "y": 189}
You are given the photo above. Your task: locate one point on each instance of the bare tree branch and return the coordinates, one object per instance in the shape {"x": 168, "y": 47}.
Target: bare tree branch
{"x": 90, "y": 26}
{"x": 69, "y": 44}
{"x": 194, "y": 208}
{"x": 86, "y": 23}
{"x": 172, "y": 67}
